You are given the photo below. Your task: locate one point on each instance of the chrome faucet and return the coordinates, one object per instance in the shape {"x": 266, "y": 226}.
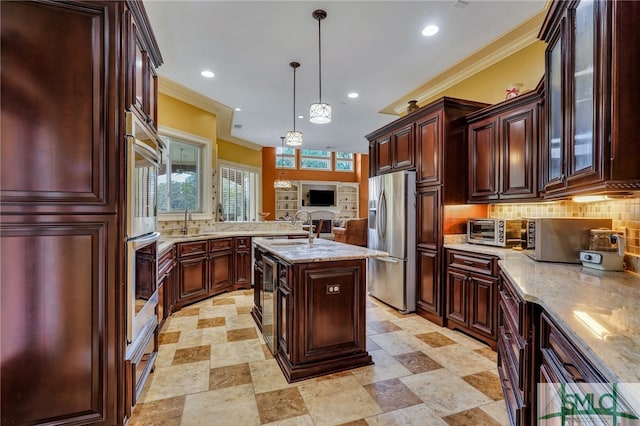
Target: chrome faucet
{"x": 184, "y": 228}
{"x": 309, "y": 218}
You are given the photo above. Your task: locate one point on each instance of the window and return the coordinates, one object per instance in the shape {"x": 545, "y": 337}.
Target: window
{"x": 285, "y": 158}
{"x": 184, "y": 176}
{"x": 344, "y": 161}
{"x": 312, "y": 159}
{"x": 239, "y": 192}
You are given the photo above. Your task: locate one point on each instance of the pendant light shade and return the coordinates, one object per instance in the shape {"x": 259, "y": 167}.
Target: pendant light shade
{"x": 281, "y": 182}
{"x": 320, "y": 112}
{"x": 294, "y": 137}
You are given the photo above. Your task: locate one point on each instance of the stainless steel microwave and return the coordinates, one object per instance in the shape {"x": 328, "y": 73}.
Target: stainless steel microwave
{"x": 561, "y": 239}
{"x": 494, "y": 232}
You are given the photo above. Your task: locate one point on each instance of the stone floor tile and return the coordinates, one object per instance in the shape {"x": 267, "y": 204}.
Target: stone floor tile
{"x": 383, "y": 326}
{"x": 221, "y": 407}
{"x": 163, "y": 412}
{"x": 397, "y": 342}
{"x": 472, "y": 417}
{"x": 280, "y": 404}
{"x": 211, "y": 322}
{"x": 444, "y": 392}
{"x": 384, "y": 367}
{"x": 417, "y": 362}
{"x": 231, "y": 375}
{"x": 392, "y": 395}
{"x": 486, "y": 382}
{"x": 241, "y": 334}
{"x": 223, "y": 301}
{"x": 178, "y": 380}
{"x": 497, "y": 410}
{"x": 192, "y": 354}
{"x": 460, "y": 360}
{"x": 415, "y": 415}
{"x": 435, "y": 339}
{"x": 170, "y": 337}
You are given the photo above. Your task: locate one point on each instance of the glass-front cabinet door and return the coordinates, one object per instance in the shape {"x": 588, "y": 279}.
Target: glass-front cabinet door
{"x": 582, "y": 88}
{"x": 555, "y": 142}
{"x": 573, "y": 145}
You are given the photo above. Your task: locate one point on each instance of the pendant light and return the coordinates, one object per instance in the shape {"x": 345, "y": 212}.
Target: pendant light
{"x": 319, "y": 113}
{"x": 293, "y": 137}
{"x": 281, "y": 182}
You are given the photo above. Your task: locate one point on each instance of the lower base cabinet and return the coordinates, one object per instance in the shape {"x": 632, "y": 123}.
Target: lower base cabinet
{"x": 515, "y": 352}
{"x": 471, "y": 294}
{"x": 428, "y": 297}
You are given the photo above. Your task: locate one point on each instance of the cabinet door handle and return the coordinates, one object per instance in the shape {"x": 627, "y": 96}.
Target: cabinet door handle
{"x": 468, "y": 262}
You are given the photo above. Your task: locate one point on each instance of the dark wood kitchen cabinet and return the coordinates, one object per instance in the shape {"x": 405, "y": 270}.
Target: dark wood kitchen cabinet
{"x": 515, "y": 352}
{"x": 392, "y": 151}
{"x": 471, "y": 294}
{"x": 437, "y": 133}
{"x": 166, "y": 284}
{"x": 193, "y": 273}
{"x": 503, "y": 150}
{"x": 141, "y": 94}
{"x": 592, "y": 95}
{"x": 210, "y": 267}
{"x": 242, "y": 260}
{"x": 220, "y": 265}
{"x": 63, "y": 332}
{"x": 383, "y": 155}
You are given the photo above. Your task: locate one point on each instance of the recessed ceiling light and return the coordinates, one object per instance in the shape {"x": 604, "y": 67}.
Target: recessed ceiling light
{"x": 430, "y": 30}
{"x": 207, "y": 73}
{"x": 238, "y": 109}
{"x": 353, "y": 95}
{"x": 301, "y": 116}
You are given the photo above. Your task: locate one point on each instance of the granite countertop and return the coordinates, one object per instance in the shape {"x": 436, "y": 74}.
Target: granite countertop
{"x": 321, "y": 250}
{"x": 610, "y": 298}
{"x": 166, "y": 242}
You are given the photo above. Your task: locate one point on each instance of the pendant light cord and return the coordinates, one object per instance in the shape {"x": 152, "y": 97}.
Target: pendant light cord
{"x": 319, "y": 62}
{"x": 294, "y": 97}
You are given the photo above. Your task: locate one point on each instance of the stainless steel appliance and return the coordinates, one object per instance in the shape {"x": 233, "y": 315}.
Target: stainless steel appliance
{"x": 268, "y": 301}
{"x": 143, "y": 158}
{"x": 495, "y": 232}
{"x": 392, "y": 228}
{"x": 606, "y": 250}
{"x": 562, "y": 239}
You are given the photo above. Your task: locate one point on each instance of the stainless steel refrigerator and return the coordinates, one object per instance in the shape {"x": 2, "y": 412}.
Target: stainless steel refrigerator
{"x": 392, "y": 228}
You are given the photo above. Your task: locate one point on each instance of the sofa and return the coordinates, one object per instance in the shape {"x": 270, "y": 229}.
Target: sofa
{"x": 353, "y": 231}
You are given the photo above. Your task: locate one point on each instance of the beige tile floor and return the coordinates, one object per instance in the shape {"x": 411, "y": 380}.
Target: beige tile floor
{"x": 213, "y": 368}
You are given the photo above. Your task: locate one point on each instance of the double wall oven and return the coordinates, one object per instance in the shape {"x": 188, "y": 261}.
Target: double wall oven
{"x": 143, "y": 159}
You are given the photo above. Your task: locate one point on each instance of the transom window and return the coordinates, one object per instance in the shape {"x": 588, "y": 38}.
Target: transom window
{"x": 344, "y": 162}
{"x": 239, "y": 192}
{"x": 312, "y": 159}
{"x": 285, "y": 158}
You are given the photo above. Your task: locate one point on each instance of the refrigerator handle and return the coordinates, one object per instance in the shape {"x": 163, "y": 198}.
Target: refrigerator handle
{"x": 382, "y": 215}
{"x": 387, "y": 260}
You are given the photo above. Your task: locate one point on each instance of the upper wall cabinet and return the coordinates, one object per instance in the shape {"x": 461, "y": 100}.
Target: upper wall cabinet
{"x": 592, "y": 95}
{"x": 419, "y": 139}
{"x": 503, "y": 150}
{"x": 143, "y": 57}
{"x": 393, "y": 151}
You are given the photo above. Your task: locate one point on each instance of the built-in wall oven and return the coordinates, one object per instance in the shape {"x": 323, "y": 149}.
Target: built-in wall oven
{"x": 143, "y": 159}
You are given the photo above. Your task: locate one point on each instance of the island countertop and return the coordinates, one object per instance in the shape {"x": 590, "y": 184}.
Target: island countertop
{"x": 611, "y": 298}
{"x": 321, "y": 250}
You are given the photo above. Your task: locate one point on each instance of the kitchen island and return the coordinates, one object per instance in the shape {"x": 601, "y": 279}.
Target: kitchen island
{"x": 310, "y": 302}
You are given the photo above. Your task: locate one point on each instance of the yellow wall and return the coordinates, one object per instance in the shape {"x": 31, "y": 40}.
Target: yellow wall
{"x": 230, "y": 151}
{"x": 526, "y": 66}
{"x": 182, "y": 116}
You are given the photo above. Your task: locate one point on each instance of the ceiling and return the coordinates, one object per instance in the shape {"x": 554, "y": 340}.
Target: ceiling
{"x": 374, "y": 48}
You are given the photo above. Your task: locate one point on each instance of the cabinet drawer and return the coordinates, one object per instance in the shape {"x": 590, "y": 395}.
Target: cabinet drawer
{"x": 165, "y": 262}
{"x": 192, "y": 248}
{"x": 243, "y": 243}
{"x": 486, "y": 265}
{"x": 558, "y": 350}
{"x": 221, "y": 244}
{"x": 515, "y": 353}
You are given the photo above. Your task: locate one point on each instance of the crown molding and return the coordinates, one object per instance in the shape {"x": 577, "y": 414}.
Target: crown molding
{"x": 223, "y": 113}
{"x": 495, "y": 51}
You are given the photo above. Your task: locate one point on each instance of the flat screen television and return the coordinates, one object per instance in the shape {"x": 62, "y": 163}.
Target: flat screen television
{"x": 321, "y": 197}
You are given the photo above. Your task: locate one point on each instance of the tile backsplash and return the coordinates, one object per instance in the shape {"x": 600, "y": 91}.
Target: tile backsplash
{"x": 623, "y": 212}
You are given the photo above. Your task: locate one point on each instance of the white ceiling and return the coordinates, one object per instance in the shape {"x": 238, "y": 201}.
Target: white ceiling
{"x": 374, "y": 48}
